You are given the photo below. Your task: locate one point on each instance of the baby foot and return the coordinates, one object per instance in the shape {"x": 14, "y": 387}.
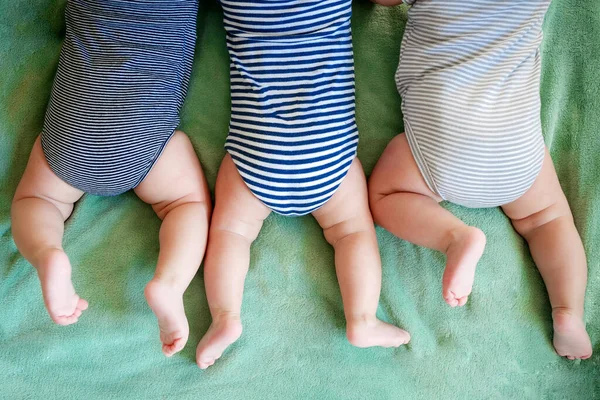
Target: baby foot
{"x": 373, "y": 332}
{"x": 570, "y": 337}
{"x": 166, "y": 302}
{"x": 223, "y": 331}
{"x": 63, "y": 304}
{"x": 462, "y": 256}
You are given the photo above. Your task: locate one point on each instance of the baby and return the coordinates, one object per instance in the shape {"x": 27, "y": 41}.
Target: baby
{"x": 469, "y": 78}
{"x": 110, "y": 127}
{"x": 292, "y": 149}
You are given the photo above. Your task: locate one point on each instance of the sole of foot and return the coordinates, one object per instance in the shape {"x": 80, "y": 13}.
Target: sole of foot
{"x": 222, "y": 333}
{"x": 167, "y": 304}
{"x": 462, "y": 257}
{"x": 374, "y": 332}
{"x": 571, "y": 340}
{"x": 62, "y": 302}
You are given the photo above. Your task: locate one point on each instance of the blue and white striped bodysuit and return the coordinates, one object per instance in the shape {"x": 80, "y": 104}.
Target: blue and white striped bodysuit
{"x": 121, "y": 80}
{"x": 292, "y": 133}
{"x": 469, "y": 77}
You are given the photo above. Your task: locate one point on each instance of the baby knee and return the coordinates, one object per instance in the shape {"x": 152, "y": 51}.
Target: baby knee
{"x": 526, "y": 226}
{"x": 348, "y": 228}
{"x": 378, "y": 185}
{"x": 196, "y": 198}
{"x": 375, "y": 205}
{"x": 375, "y": 193}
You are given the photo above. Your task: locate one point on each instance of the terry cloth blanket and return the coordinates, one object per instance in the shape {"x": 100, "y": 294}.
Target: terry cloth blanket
{"x": 294, "y": 345}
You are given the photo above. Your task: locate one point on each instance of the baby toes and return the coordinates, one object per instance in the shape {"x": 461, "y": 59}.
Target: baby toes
{"x": 451, "y": 300}
{"x": 82, "y": 305}
{"x": 65, "y": 320}
{"x": 205, "y": 364}
{"x": 176, "y": 346}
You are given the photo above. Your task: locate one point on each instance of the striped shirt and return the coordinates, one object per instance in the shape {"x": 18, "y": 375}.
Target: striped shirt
{"x": 292, "y": 133}
{"x": 121, "y": 80}
{"x": 469, "y": 78}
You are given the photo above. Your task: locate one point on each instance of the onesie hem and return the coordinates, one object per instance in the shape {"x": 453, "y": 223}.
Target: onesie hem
{"x": 143, "y": 176}
{"x": 419, "y": 159}
{"x": 294, "y": 214}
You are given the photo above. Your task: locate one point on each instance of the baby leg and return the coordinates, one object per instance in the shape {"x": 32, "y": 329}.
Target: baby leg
{"x": 348, "y": 227}
{"x": 40, "y": 207}
{"x": 402, "y": 203}
{"x": 179, "y": 195}
{"x": 543, "y": 217}
{"x": 236, "y": 222}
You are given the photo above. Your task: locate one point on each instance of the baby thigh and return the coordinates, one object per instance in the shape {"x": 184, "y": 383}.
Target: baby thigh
{"x": 177, "y": 191}
{"x": 543, "y": 217}
{"x": 40, "y": 206}
{"x": 348, "y": 226}
{"x": 236, "y": 222}
{"x": 402, "y": 202}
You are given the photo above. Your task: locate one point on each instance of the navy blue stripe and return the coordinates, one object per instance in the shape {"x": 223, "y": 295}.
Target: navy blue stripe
{"x": 298, "y": 181}
{"x": 291, "y": 132}
{"x": 286, "y": 161}
{"x": 291, "y": 70}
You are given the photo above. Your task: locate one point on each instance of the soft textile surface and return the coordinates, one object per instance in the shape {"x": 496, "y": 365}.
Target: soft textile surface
{"x": 293, "y": 346}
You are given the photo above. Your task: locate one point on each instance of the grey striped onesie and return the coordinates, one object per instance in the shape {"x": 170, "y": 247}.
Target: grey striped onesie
{"x": 469, "y": 78}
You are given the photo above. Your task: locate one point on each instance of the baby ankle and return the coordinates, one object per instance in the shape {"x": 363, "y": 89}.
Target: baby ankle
{"x": 225, "y": 315}
{"x": 565, "y": 318}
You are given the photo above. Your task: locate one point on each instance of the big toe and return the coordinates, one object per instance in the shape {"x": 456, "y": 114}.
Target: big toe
{"x": 205, "y": 364}
{"x": 173, "y": 342}
{"x": 82, "y": 305}
{"x": 65, "y": 320}
{"x": 175, "y": 346}
{"x": 455, "y": 300}
{"x": 65, "y": 315}
{"x": 462, "y": 301}
{"x": 204, "y": 358}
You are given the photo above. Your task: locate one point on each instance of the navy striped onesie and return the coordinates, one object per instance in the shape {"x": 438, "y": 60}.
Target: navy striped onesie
{"x": 292, "y": 134}
{"x": 121, "y": 81}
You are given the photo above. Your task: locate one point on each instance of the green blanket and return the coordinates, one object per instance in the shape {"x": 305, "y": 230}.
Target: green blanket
{"x": 294, "y": 345}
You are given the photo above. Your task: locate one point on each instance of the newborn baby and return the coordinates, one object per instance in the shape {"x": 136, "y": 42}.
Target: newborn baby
{"x": 469, "y": 78}
{"x": 292, "y": 149}
{"x": 110, "y": 127}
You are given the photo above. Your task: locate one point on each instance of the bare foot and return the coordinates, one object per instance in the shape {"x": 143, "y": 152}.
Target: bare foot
{"x": 570, "y": 337}
{"x": 462, "y": 256}
{"x": 166, "y": 302}
{"x": 223, "y": 331}
{"x": 373, "y": 332}
{"x": 63, "y": 304}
